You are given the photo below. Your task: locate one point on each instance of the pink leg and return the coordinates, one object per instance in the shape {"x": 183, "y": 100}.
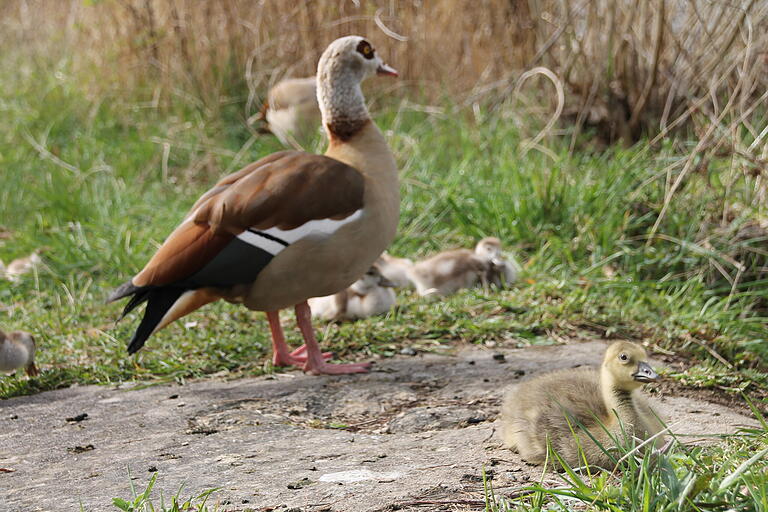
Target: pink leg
{"x": 280, "y": 354}
{"x": 301, "y": 351}
{"x": 315, "y": 364}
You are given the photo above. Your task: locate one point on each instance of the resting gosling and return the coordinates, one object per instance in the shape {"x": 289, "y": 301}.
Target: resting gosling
{"x": 291, "y": 110}
{"x": 449, "y": 271}
{"x": 395, "y": 269}
{"x": 21, "y": 266}
{"x": 17, "y": 350}
{"x": 370, "y": 295}
{"x": 502, "y": 271}
{"x": 536, "y": 410}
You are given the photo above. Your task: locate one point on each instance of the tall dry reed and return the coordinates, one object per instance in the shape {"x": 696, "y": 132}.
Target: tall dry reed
{"x": 626, "y": 67}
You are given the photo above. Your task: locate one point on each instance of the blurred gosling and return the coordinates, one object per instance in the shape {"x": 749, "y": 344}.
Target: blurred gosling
{"x": 21, "y": 266}
{"x": 370, "y": 295}
{"x": 17, "y": 350}
{"x": 395, "y": 269}
{"x": 449, "y": 271}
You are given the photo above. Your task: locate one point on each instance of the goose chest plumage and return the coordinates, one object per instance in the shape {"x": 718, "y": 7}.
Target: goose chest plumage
{"x": 288, "y": 227}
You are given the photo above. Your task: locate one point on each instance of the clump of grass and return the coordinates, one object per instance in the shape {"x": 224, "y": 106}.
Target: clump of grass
{"x": 732, "y": 475}
{"x": 144, "y": 501}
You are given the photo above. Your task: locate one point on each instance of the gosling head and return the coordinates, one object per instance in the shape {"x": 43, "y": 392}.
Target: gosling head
{"x": 489, "y": 249}
{"x": 627, "y": 365}
{"x": 370, "y": 281}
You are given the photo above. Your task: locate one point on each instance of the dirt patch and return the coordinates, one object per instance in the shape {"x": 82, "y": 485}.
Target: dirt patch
{"x": 414, "y": 433}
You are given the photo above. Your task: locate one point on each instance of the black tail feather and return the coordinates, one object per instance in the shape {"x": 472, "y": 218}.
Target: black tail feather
{"x": 140, "y": 297}
{"x": 124, "y": 290}
{"x": 138, "y": 294}
{"x": 159, "y": 301}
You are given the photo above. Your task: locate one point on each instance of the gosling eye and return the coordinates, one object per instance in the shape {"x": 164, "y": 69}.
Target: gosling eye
{"x": 623, "y": 358}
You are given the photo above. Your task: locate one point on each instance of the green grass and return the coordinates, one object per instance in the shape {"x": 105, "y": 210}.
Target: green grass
{"x": 731, "y": 475}
{"x": 144, "y": 501}
{"x": 90, "y": 182}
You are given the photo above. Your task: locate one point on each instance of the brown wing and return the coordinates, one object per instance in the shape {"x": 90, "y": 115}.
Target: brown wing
{"x": 283, "y": 190}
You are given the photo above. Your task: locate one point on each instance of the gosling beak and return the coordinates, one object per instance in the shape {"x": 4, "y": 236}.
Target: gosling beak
{"x": 645, "y": 373}
{"x": 386, "y": 283}
{"x": 385, "y": 70}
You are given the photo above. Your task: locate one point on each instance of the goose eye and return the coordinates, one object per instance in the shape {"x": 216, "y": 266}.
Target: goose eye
{"x": 365, "y": 48}
{"x": 624, "y": 357}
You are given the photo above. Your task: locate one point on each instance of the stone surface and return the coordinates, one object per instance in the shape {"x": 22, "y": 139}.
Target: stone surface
{"x": 415, "y": 429}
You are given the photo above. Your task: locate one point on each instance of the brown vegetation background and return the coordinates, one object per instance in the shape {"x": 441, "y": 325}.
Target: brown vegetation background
{"x": 625, "y": 67}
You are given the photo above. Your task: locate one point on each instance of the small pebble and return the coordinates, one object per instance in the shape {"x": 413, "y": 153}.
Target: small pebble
{"x": 300, "y": 484}
{"x": 408, "y": 351}
{"x": 499, "y": 357}
{"x": 81, "y": 449}
{"x": 78, "y": 418}
{"x": 152, "y": 469}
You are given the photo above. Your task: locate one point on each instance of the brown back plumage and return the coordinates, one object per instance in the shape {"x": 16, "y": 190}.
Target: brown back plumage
{"x": 283, "y": 190}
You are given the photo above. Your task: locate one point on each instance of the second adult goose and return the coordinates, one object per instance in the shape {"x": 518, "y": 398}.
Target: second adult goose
{"x": 291, "y": 110}
{"x": 288, "y": 227}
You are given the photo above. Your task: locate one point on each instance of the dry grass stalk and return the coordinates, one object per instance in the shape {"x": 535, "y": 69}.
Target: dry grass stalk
{"x": 627, "y": 66}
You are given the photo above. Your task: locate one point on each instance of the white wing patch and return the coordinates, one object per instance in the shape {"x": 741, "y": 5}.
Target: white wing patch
{"x": 261, "y": 242}
{"x": 314, "y": 228}
{"x": 322, "y": 227}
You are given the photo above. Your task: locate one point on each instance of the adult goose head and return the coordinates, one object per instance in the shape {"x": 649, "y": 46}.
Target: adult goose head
{"x": 285, "y": 228}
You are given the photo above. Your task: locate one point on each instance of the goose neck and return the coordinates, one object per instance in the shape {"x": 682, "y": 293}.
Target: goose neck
{"x": 342, "y": 105}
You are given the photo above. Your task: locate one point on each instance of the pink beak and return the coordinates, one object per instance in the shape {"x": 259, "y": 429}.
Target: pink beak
{"x": 386, "y": 70}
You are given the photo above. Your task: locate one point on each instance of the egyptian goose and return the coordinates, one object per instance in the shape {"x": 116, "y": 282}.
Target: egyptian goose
{"x": 370, "y": 295}
{"x": 288, "y": 227}
{"x": 291, "y": 110}
{"x": 395, "y": 269}
{"x": 449, "y": 271}
{"x": 17, "y": 350}
{"x": 550, "y": 406}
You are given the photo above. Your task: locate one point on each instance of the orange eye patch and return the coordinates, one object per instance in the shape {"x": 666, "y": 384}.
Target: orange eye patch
{"x": 365, "y": 48}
